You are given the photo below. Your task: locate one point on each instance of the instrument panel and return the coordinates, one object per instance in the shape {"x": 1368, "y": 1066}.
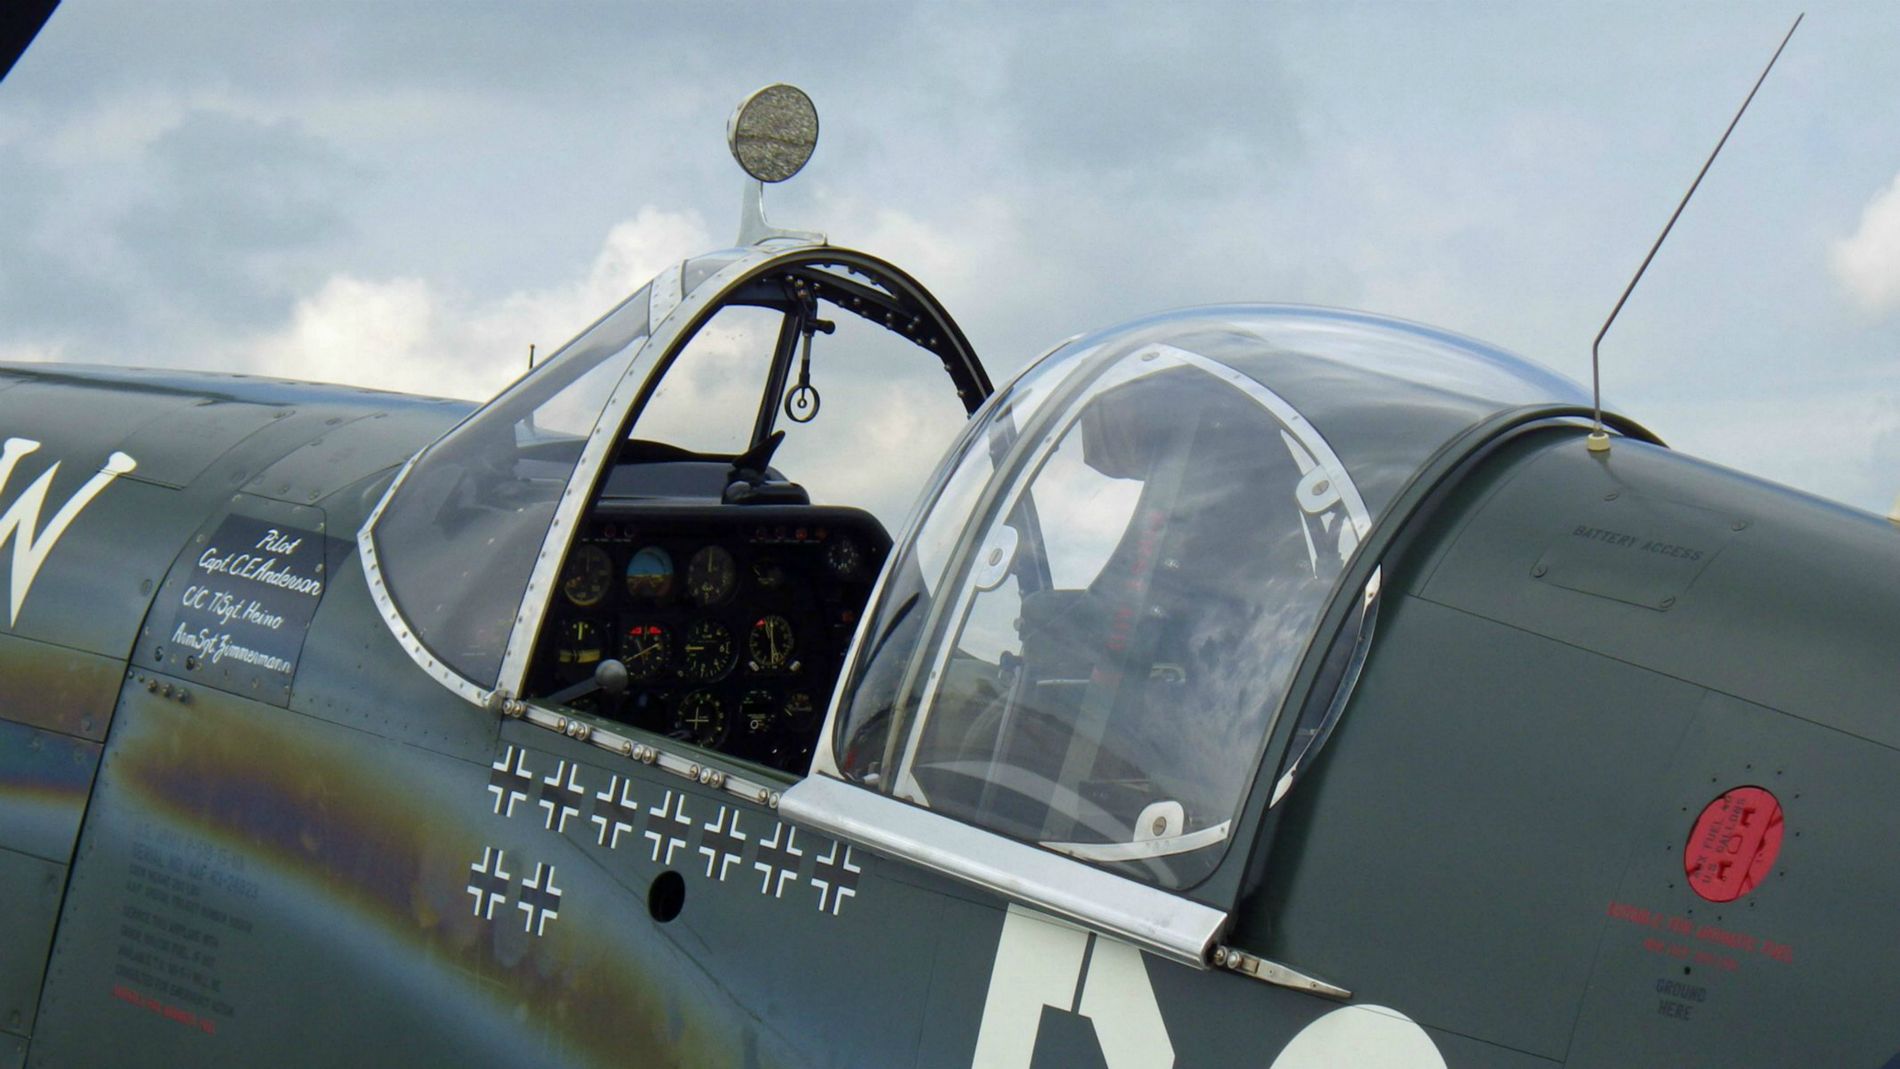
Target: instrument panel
{"x": 732, "y": 621}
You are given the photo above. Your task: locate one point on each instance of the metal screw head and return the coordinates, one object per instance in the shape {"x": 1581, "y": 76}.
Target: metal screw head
{"x": 1666, "y": 602}
{"x": 1539, "y": 570}
{"x": 1611, "y": 496}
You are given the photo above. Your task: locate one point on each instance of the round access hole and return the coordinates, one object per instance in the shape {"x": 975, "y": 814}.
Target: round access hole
{"x": 667, "y": 896}
{"x": 1733, "y": 844}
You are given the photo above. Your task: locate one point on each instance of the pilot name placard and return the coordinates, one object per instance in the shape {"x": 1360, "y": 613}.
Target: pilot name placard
{"x": 250, "y": 596}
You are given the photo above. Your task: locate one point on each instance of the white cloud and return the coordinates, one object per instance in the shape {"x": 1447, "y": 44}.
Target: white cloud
{"x": 1867, "y": 262}
{"x": 30, "y": 353}
{"x": 405, "y": 334}
{"x": 1839, "y": 442}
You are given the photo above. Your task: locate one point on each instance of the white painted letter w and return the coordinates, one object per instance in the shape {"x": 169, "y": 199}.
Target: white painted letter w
{"x": 21, "y": 520}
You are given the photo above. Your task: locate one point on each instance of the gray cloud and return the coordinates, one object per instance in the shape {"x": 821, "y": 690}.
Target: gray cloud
{"x": 232, "y": 203}
{"x": 181, "y": 178}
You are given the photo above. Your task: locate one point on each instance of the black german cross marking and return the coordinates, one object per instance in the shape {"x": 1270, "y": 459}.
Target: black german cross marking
{"x": 835, "y": 878}
{"x": 778, "y": 863}
{"x": 722, "y": 844}
{"x": 540, "y": 899}
{"x": 509, "y": 781}
{"x": 561, "y": 799}
{"x": 488, "y": 882}
{"x": 662, "y": 822}
{"x": 614, "y": 809}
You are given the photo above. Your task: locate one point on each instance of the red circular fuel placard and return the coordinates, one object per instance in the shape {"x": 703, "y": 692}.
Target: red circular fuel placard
{"x": 1733, "y": 844}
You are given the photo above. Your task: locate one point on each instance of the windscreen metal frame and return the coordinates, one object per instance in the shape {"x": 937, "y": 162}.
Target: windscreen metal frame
{"x": 669, "y": 338}
{"x": 664, "y": 323}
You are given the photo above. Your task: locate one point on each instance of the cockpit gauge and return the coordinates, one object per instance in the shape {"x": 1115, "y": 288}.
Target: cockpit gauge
{"x": 800, "y": 711}
{"x": 706, "y": 654}
{"x": 769, "y": 643}
{"x": 646, "y": 650}
{"x": 768, "y": 575}
{"x": 844, "y": 557}
{"x": 711, "y": 576}
{"x": 650, "y": 574}
{"x": 588, "y": 573}
{"x": 701, "y": 718}
{"x": 757, "y": 710}
{"x": 579, "y": 644}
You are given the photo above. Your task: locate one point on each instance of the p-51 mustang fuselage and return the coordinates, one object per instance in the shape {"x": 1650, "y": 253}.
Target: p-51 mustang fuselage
{"x": 1250, "y": 686}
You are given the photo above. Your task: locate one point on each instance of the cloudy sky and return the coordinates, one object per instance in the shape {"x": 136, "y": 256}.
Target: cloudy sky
{"x": 407, "y": 195}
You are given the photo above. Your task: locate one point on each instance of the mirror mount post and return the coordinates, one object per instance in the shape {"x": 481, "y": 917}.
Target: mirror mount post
{"x": 753, "y": 227}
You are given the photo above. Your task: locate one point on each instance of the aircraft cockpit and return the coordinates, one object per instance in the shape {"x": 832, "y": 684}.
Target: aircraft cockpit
{"x": 1124, "y": 615}
{"x": 722, "y": 594}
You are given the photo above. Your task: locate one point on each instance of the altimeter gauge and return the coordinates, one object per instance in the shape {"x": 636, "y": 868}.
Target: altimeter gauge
{"x": 769, "y": 644}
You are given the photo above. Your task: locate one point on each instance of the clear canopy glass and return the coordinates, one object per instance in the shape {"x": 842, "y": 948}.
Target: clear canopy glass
{"x": 458, "y": 538}
{"x": 1087, "y": 638}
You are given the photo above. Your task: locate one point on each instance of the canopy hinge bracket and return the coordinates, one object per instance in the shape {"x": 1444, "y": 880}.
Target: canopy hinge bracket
{"x": 1273, "y": 972}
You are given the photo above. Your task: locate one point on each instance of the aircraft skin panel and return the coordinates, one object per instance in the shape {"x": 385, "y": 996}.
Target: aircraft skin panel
{"x": 333, "y": 877}
{"x": 59, "y": 689}
{"x": 93, "y": 583}
{"x": 351, "y": 446}
{"x": 222, "y": 386}
{"x": 175, "y": 449}
{"x": 106, "y": 477}
{"x": 1811, "y": 947}
{"x": 251, "y": 876}
{"x": 1795, "y": 606}
{"x": 1422, "y": 852}
{"x": 29, "y": 900}
{"x": 44, "y": 780}
{"x": 1513, "y": 803}
{"x": 353, "y": 673}
{"x": 779, "y": 926}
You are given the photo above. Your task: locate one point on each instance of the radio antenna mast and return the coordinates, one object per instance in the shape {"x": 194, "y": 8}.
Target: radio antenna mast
{"x": 1599, "y": 442}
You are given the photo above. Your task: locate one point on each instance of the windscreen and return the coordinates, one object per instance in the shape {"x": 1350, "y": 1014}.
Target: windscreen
{"x": 458, "y": 538}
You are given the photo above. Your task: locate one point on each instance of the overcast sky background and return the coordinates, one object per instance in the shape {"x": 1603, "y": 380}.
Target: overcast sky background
{"x": 407, "y": 195}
